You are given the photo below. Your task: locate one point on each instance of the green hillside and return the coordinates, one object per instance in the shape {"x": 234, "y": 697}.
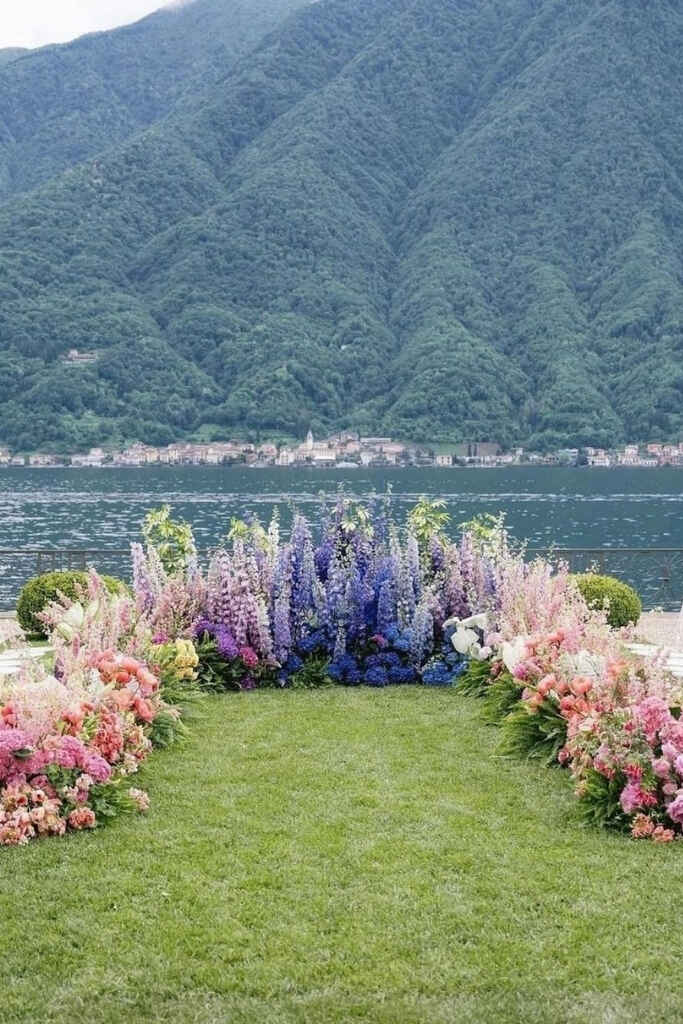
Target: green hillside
{"x": 10, "y": 53}
{"x": 447, "y": 220}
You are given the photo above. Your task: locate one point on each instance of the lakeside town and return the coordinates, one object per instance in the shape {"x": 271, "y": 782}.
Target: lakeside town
{"x": 349, "y": 450}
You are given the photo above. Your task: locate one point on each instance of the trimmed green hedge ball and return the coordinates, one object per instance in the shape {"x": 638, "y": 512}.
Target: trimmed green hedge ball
{"x": 37, "y": 593}
{"x": 624, "y": 603}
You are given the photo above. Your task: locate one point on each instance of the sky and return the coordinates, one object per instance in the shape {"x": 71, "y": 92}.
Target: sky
{"x": 37, "y": 22}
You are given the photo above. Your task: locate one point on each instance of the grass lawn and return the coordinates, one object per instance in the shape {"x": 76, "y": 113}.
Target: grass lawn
{"x": 340, "y": 856}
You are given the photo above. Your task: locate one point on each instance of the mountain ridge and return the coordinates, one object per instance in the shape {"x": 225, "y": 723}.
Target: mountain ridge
{"x": 442, "y": 220}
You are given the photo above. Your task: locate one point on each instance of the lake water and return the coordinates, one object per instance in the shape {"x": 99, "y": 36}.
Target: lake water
{"x": 562, "y": 507}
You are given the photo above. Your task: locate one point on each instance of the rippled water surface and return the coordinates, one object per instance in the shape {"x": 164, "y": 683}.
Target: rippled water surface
{"x": 103, "y": 508}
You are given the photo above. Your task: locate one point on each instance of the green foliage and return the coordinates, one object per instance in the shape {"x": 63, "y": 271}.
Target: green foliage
{"x": 599, "y": 800}
{"x": 172, "y": 539}
{"x": 167, "y": 729}
{"x": 538, "y": 734}
{"x": 486, "y": 530}
{"x": 215, "y": 674}
{"x": 361, "y": 224}
{"x": 37, "y": 593}
{"x": 428, "y": 518}
{"x": 621, "y": 600}
{"x": 312, "y": 675}
{"x": 476, "y": 679}
{"x": 500, "y": 698}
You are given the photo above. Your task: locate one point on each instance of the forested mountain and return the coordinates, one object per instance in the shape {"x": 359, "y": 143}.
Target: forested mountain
{"x": 10, "y": 53}
{"x": 62, "y": 104}
{"x": 448, "y": 219}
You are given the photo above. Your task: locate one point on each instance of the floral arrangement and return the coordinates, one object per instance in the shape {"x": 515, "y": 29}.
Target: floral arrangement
{"x": 570, "y": 694}
{"x": 364, "y": 604}
{"x": 69, "y": 741}
{"x": 67, "y": 750}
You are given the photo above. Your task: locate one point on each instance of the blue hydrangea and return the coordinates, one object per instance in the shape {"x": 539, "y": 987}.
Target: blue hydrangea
{"x": 376, "y": 676}
{"x": 400, "y": 674}
{"x": 389, "y": 659}
{"x": 344, "y": 669}
{"x": 437, "y": 673}
{"x": 312, "y": 642}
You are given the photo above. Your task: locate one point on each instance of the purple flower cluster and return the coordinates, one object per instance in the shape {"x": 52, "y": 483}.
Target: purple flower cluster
{"x": 367, "y": 597}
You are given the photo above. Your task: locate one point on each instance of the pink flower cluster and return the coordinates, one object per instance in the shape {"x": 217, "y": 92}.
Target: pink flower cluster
{"x": 620, "y": 716}
{"x": 639, "y": 745}
{"x": 62, "y": 746}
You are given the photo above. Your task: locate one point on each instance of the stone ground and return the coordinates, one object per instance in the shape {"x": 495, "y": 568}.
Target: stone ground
{"x": 662, "y": 628}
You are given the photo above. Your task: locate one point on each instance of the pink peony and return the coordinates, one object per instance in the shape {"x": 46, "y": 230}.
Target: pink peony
{"x": 632, "y": 797}
{"x": 654, "y": 714}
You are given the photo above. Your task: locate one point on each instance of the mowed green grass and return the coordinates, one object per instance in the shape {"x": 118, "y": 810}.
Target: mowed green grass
{"x": 340, "y": 856}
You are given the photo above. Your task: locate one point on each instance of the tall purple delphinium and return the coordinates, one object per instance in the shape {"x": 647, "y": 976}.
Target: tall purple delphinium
{"x": 219, "y": 595}
{"x": 405, "y": 586}
{"x": 336, "y": 608}
{"x": 412, "y": 555}
{"x": 437, "y": 555}
{"x": 358, "y": 596}
{"x": 453, "y": 586}
{"x": 302, "y": 574}
{"x": 280, "y": 601}
{"x": 421, "y": 635}
{"x": 282, "y": 634}
{"x": 235, "y": 600}
{"x": 386, "y": 606}
{"x": 149, "y": 577}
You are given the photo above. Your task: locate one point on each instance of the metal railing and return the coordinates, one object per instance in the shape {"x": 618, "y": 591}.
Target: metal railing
{"x": 656, "y": 573}
{"x": 19, "y": 565}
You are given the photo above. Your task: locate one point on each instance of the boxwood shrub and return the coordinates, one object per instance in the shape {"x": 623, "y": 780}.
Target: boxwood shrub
{"x": 37, "y": 593}
{"x": 624, "y": 604}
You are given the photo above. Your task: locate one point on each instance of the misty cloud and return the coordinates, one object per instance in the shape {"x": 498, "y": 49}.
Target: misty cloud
{"x": 38, "y": 22}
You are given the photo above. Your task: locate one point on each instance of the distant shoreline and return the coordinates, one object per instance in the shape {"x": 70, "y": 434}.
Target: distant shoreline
{"x": 311, "y": 466}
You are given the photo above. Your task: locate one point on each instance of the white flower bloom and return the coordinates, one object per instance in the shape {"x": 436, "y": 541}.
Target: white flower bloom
{"x": 464, "y": 639}
{"x": 468, "y": 636}
{"x": 513, "y": 651}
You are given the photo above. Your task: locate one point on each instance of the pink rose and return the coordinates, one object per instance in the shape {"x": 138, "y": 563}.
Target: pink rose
{"x": 82, "y": 817}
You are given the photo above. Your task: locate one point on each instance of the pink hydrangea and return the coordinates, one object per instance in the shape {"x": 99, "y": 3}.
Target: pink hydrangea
{"x": 661, "y": 767}
{"x": 96, "y": 767}
{"x": 675, "y": 808}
